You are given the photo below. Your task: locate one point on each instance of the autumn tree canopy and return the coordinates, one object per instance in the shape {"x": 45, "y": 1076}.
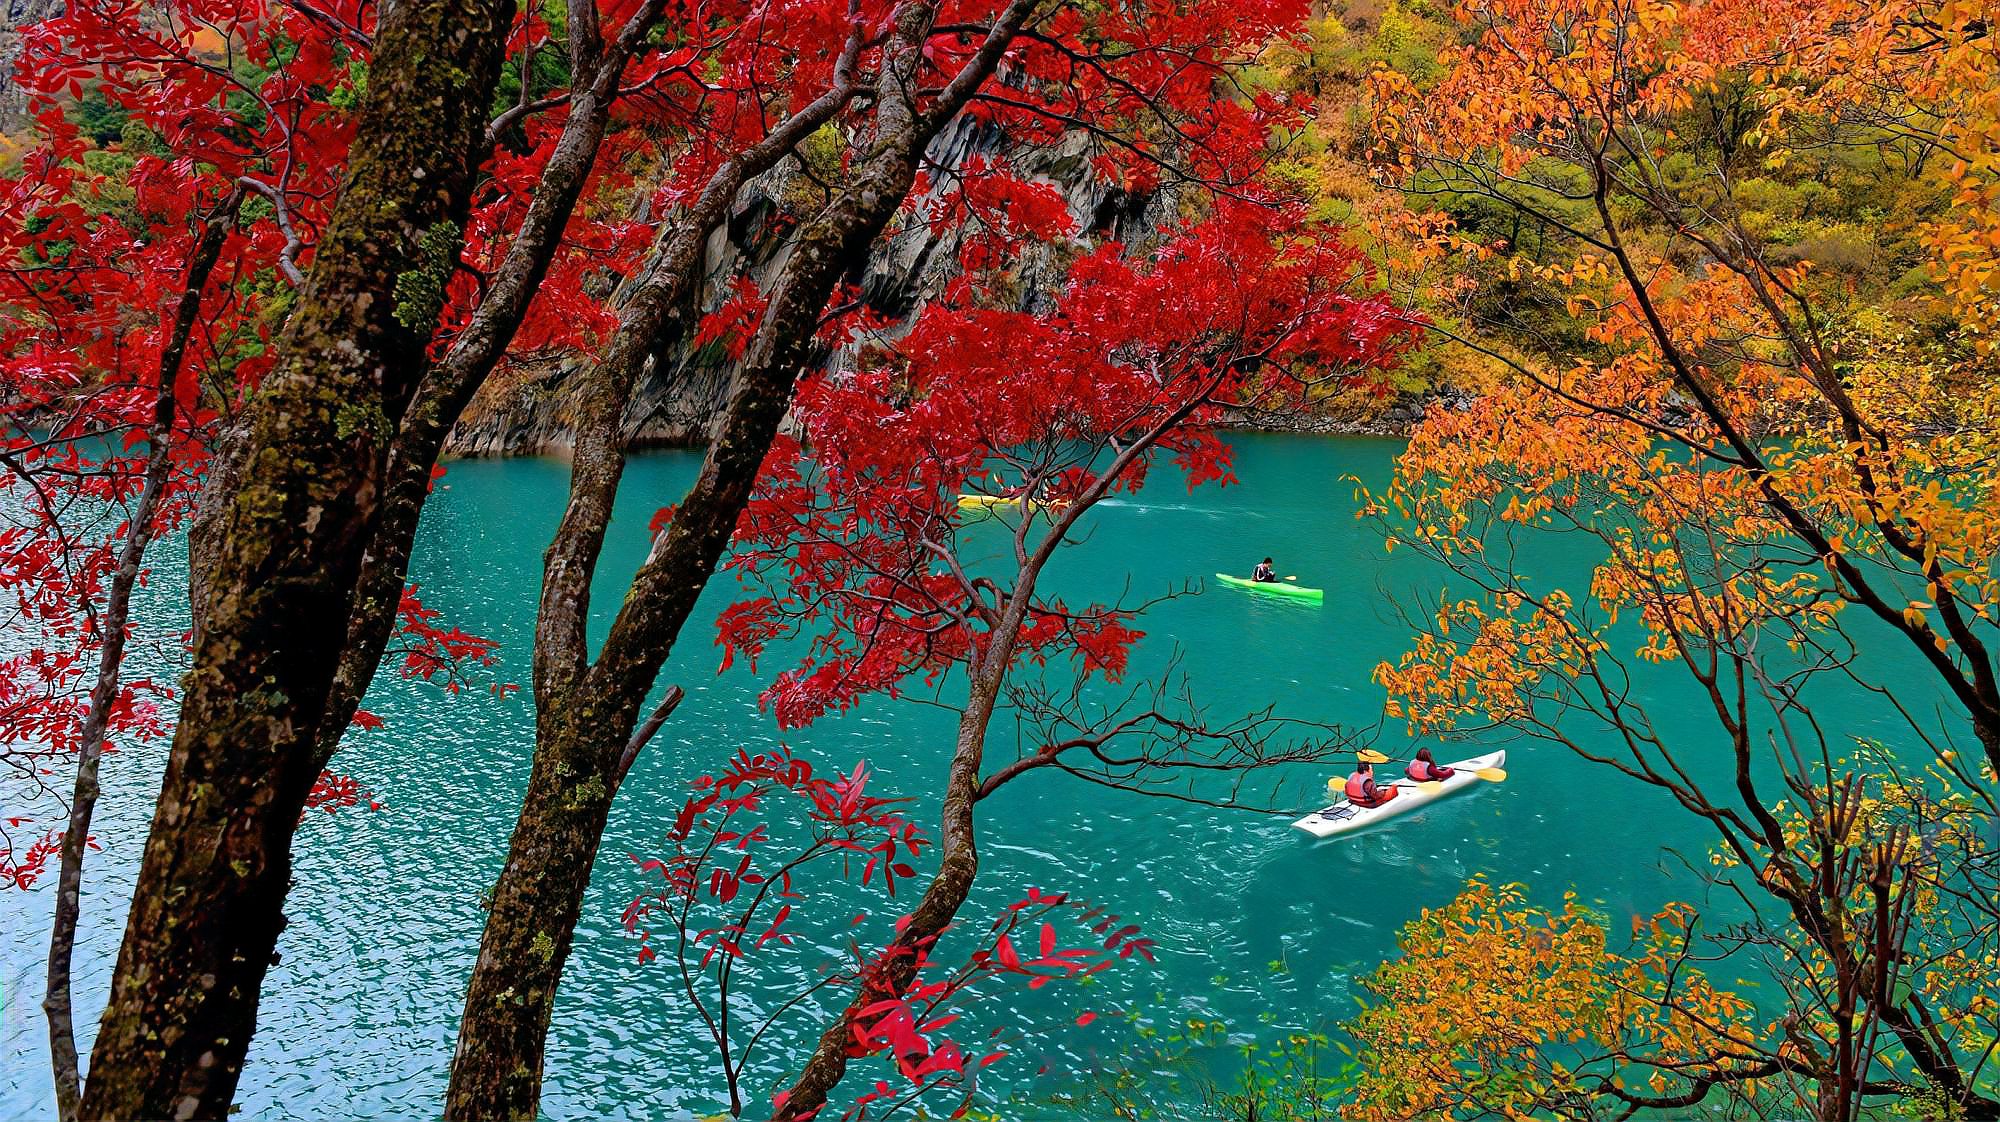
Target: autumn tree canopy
{"x": 1707, "y": 291}
{"x": 1784, "y": 497}
{"x": 363, "y": 218}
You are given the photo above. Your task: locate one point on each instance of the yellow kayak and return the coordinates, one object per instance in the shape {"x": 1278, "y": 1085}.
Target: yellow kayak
{"x": 1002, "y": 502}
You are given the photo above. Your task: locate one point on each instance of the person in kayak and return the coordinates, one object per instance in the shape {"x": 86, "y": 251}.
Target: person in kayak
{"x": 1362, "y": 789}
{"x": 1423, "y": 769}
{"x": 1264, "y": 573}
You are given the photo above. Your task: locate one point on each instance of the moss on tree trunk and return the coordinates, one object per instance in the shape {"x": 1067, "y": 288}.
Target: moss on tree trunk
{"x": 289, "y": 540}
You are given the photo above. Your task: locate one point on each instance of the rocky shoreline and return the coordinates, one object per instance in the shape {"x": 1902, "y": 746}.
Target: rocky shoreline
{"x": 497, "y": 437}
{"x": 1395, "y": 420}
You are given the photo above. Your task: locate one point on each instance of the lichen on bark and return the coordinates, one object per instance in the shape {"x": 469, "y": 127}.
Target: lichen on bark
{"x": 286, "y": 519}
{"x": 420, "y": 291}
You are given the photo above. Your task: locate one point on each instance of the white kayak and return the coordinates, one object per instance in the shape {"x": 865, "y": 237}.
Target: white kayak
{"x": 1344, "y": 817}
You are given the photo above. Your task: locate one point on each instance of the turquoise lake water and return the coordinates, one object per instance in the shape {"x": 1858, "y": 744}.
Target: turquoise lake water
{"x": 1258, "y": 927}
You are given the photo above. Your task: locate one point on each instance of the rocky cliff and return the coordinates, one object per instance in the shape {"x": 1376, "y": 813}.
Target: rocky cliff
{"x": 530, "y": 409}
{"x": 17, "y": 16}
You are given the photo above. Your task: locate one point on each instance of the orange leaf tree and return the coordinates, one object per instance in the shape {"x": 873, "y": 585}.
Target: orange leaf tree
{"x": 1498, "y": 1008}
{"x": 1766, "y": 485}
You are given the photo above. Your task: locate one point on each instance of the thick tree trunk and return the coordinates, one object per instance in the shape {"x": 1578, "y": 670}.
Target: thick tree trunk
{"x": 589, "y": 720}
{"x": 448, "y": 386}
{"x": 575, "y": 775}
{"x": 209, "y": 903}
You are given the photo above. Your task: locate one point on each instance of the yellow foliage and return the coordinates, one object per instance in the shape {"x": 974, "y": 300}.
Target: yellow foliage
{"x": 1496, "y": 1008}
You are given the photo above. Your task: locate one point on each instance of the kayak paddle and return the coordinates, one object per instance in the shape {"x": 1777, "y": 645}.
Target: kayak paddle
{"x": 1489, "y": 774}
{"x": 1371, "y": 756}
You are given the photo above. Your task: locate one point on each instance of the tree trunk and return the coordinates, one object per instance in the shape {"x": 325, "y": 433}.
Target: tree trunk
{"x": 56, "y": 1002}
{"x": 209, "y": 903}
{"x": 584, "y": 738}
{"x": 958, "y": 867}
{"x": 958, "y": 850}
{"x": 477, "y": 349}
{"x": 588, "y": 720}
{"x": 497, "y": 1071}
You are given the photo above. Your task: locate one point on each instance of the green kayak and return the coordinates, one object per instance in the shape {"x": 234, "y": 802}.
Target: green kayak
{"x": 1273, "y": 588}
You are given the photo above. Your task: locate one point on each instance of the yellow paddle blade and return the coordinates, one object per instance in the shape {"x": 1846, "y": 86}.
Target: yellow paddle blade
{"x": 1291, "y": 578}
{"x": 1335, "y": 784}
{"x": 1429, "y": 785}
{"x": 1371, "y": 756}
{"x": 1491, "y": 774}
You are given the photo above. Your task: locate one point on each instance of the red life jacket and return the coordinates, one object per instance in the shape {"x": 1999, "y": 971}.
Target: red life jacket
{"x": 1357, "y": 788}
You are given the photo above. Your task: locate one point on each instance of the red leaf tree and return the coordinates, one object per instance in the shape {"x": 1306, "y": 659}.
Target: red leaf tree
{"x": 766, "y": 859}
{"x": 864, "y": 548}
{"x": 149, "y": 246}
{"x": 232, "y": 304}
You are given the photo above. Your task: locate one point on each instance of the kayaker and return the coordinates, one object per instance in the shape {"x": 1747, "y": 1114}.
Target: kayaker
{"x": 1264, "y": 573}
{"x": 1423, "y": 769}
{"x": 1361, "y": 788}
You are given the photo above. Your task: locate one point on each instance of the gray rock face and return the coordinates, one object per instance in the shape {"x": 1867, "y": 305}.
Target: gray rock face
{"x": 16, "y": 16}
{"x": 528, "y": 409}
